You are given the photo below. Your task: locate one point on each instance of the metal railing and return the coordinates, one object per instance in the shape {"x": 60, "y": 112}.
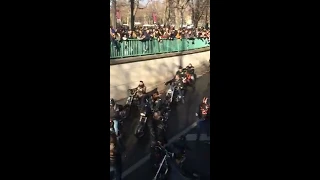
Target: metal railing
{"x": 134, "y": 47}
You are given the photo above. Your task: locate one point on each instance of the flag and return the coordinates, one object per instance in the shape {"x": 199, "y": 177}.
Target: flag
{"x": 154, "y": 17}
{"x": 118, "y": 15}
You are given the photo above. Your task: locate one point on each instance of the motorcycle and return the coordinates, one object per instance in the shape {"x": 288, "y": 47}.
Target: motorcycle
{"x": 112, "y": 130}
{"x": 184, "y": 80}
{"x": 178, "y": 98}
{"x": 124, "y": 112}
{"x": 131, "y": 97}
{"x": 111, "y": 126}
{"x": 140, "y": 129}
{"x": 190, "y": 80}
{"x": 165, "y": 116}
{"x": 171, "y": 94}
{"x": 169, "y": 164}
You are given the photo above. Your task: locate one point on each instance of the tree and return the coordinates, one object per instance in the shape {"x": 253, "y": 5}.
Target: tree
{"x": 198, "y": 8}
{"x": 134, "y": 6}
{"x": 180, "y": 6}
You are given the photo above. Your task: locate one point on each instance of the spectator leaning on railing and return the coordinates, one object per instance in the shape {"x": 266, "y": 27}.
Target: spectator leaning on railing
{"x": 120, "y": 36}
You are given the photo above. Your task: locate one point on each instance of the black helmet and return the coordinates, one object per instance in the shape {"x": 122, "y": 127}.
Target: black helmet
{"x": 112, "y": 103}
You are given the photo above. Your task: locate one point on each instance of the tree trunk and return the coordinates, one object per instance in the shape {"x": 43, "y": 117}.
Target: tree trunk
{"x": 182, "y": 19}
{"x": 132, "y": 14}
{"x": 115, "y": 13}
{"x": 192, "y": 12}
{"x": 206, "y": 18}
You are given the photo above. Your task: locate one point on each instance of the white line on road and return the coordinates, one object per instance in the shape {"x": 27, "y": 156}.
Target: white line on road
{"x": 193, "y": 137}
{"x": 146, "y": 158}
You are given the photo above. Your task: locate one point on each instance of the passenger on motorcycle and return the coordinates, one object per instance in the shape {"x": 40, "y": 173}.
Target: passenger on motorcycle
{"x": 115, "y": 115}
{"x": 141, "y": 92}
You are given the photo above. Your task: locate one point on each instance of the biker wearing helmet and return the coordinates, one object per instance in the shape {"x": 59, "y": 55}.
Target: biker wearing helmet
{"x": 155, "y": 124}
{"x": 157, "y": 129}
{"x": 115, "y": 115}
{"x": 155, "y": 102}
{"x": 177, "y": 81}
{"x": 141, "y": 91}
{"x": 190, "y": 69}
{"x": 180, "y": 72}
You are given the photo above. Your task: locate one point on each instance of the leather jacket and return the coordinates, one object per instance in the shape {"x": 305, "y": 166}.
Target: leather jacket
{"x": 141, "y": 90}
{"x": 115, "y": 112}
{"x": 180, "y": 74}
{"x": 155, "y": 104}
{"x": 190, "y": 70}
{"x": 204, "y": 111}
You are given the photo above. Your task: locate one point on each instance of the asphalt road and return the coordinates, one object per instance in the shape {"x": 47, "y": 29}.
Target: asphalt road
{"x": 198, "y": 161}
{"x": 182, "y": 116}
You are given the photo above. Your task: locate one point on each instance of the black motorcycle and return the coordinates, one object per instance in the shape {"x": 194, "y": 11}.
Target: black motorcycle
{"x": 144, "y": 112}
{"x": 132, "y": 99}
{"x": 172, "y": 93}
{"x": 165, "y": 116}
{"x": 178, "y": 97}
{"x": 169, "y": 162}
{"x": 124, "y": 113}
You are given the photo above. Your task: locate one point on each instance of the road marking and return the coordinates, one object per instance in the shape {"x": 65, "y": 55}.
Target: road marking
{"x": 193, "y": 137}
{"x": 146, "y": 158}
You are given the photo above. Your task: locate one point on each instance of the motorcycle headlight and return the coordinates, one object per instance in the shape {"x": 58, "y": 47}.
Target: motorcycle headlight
{"x": 142, "y": 114}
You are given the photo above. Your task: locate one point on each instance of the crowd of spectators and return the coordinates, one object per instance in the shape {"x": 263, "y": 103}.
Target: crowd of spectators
{"x": 120, "y": 34}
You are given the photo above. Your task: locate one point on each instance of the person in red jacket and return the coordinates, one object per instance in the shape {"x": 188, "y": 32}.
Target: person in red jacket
{"x": 203, "y": 118}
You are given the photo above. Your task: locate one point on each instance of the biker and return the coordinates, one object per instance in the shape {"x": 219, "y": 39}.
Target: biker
{"x": 190, "y": 69}
{"x": 203, "y": 117}
{"x": 141, "y": 92}
{"x": 157, "y": 129}
{"x": 155, "y": 102}
{"x": 177, "y": 81}
{"x": 180, "y": 72}
{"x": 190, "y": 74}
{"x": 115, "y": 115}
{"x": 115, "y": 157}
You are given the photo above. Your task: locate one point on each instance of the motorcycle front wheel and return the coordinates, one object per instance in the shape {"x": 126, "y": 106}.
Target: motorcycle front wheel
{"x": 139, "y": 132}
